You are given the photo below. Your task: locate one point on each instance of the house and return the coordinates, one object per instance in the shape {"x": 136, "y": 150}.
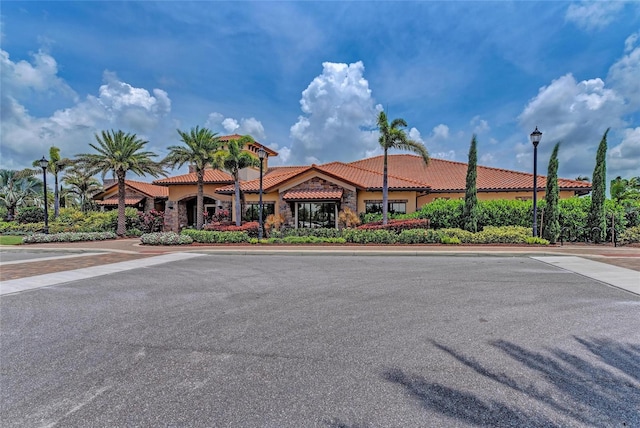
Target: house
{"x": 313, "y": 195}
{"x": 143, "y": 196}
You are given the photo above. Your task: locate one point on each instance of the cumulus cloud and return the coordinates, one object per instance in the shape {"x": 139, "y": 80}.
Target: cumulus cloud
{"x": 39, "y": 76}
{"x": 593, "y": 15}
{"x": 228, "y": 125}
{"x": 118, "y": 105}
{"x": 578, "y": 112}
{"x": 624, "y": 157}
{"x": 479, "y": 125}
{"x": 340, "y": 116}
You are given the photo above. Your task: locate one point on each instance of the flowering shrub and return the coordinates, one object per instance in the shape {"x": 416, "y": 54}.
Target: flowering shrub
{"x": 153, "y": 221}
{"x": 165, "y": 238}
{"x": 39, "y": 238}
{"x": 397, "y": 226}
{"x": 251, "y": 228}
{"x": 220, "y": 216}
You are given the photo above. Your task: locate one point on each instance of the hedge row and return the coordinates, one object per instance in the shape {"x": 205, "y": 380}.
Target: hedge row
{"x": 444, "y": 213}
{"x": 39, "y": 238}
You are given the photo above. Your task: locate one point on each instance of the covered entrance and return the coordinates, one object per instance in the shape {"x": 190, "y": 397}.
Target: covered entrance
{"x": 314, "y": 208}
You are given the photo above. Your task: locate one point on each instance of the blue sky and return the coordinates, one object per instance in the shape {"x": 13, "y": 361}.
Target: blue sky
{"x": 308, "y": 78}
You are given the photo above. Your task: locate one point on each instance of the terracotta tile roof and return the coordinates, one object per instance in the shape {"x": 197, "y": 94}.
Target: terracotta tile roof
{"x": 114, "y": 201}
{"x": 211, "y": 176}
{"x": 443, "y": 175}
{"x": 312, "y": 195}
{"x": 140, "y": 186}
{"x": 370, "y": 179}
{"x": 272, "y": 179}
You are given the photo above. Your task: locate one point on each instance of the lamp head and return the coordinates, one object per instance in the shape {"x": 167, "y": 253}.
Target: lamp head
{"x": 535, "y": 136}
{"x": 262, "y": 153}
{"x": 44, "y": 163}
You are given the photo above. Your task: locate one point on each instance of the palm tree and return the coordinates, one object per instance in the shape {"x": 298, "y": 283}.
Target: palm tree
{"x": 82, "y": 185}
{"x": 120, "y": 153}
{"x": 393, "y": 136}
{"x": 201, "y": 146}
{"x": 56, "y": 166}
{"x": 233, "y": 160}
{"x": 18, "y": 188}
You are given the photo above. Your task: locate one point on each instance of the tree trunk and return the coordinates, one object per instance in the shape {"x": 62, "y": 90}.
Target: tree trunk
{"x": 56, "y": 197}
{"x": 238, "y": 207}
{"x": 122, "y": 221}
{"x": 385, "y": 189}
{"x": 200, "y": 201}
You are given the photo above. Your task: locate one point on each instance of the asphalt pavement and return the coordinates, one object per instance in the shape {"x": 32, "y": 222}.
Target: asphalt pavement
{"x": 221, "y": 340}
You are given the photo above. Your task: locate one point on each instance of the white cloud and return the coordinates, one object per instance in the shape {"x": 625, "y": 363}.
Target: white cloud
{"x": 578, "y": 113}
{"x": 118, "y": 105}
{"x": 630, "y": 42}
{"x": 39, "y": 76}
{"x": 624, "y": 75}
{"x": 479, "y": 125}
{"x": 228, "y": 125}
{"x": 441, "y": 132}
{"x": 340, "y": 115}
{"x": 593, "y": 15}
{"x": 624, "y": 157}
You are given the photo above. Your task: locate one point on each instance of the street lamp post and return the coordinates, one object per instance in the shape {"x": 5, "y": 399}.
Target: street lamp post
{"x": 262, "y": 154}
{"x": 535, "y": 139}
{"x": 44, "y": 163}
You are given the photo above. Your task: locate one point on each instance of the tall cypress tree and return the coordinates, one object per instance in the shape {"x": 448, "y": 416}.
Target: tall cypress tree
{"x": 551, "y": 226}
{"x": 470, "y": 211}
{"x": 597, "y": 221}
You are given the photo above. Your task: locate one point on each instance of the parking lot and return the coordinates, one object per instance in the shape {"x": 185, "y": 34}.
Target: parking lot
{"x": 336, "y": 341}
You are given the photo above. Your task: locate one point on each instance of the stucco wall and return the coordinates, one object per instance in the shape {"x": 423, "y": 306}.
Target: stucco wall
{"x": 409, "y": 196}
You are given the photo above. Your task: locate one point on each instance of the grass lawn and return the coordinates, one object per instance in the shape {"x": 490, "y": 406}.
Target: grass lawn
{"x": 10, "y": 240}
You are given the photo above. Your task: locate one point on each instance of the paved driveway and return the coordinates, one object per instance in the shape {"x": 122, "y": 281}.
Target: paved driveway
{"x": 279, "y": 341}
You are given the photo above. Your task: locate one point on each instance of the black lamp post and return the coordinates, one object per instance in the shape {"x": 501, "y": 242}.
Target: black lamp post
{"x": 535, "y": 136}
{"x": 44, "y": 163}
{"x": 262, "y": 154}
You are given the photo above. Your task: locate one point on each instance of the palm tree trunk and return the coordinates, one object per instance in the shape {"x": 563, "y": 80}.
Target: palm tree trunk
{"x": 56, "y": 197}
{"x": 238, "y": 207}
{"x": 122, "y": 221}
{"x": 200, "y": 200}
{"x": 385, "y": 189}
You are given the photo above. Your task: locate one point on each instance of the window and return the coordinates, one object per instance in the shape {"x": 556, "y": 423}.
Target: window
{"x": 251, "y": 211}
{"x": 393, "y": 207}
{"x": 316, "y": 214}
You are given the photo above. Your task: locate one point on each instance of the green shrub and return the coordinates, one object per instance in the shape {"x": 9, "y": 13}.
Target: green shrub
{"x": 319, "y": 233}
{"x": 449, "y": 240}
{"x": 502, "y": 235}
{"x": 630, "y": 236}
{"x": 369, "y": 236}
{"x": 214, "y": 237}
{"x": 531, "y": 240}
{"x": 505, "y": 212}
{"x": 165, "y": 238}
{"x": 30, "y": 215}
{"x": 419, "y": 236}
{"x": 14, "y": 228}
{"x": 38, "y": 238}
{"x": 463, "y": 235}
{"x": 442, "y": 213}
